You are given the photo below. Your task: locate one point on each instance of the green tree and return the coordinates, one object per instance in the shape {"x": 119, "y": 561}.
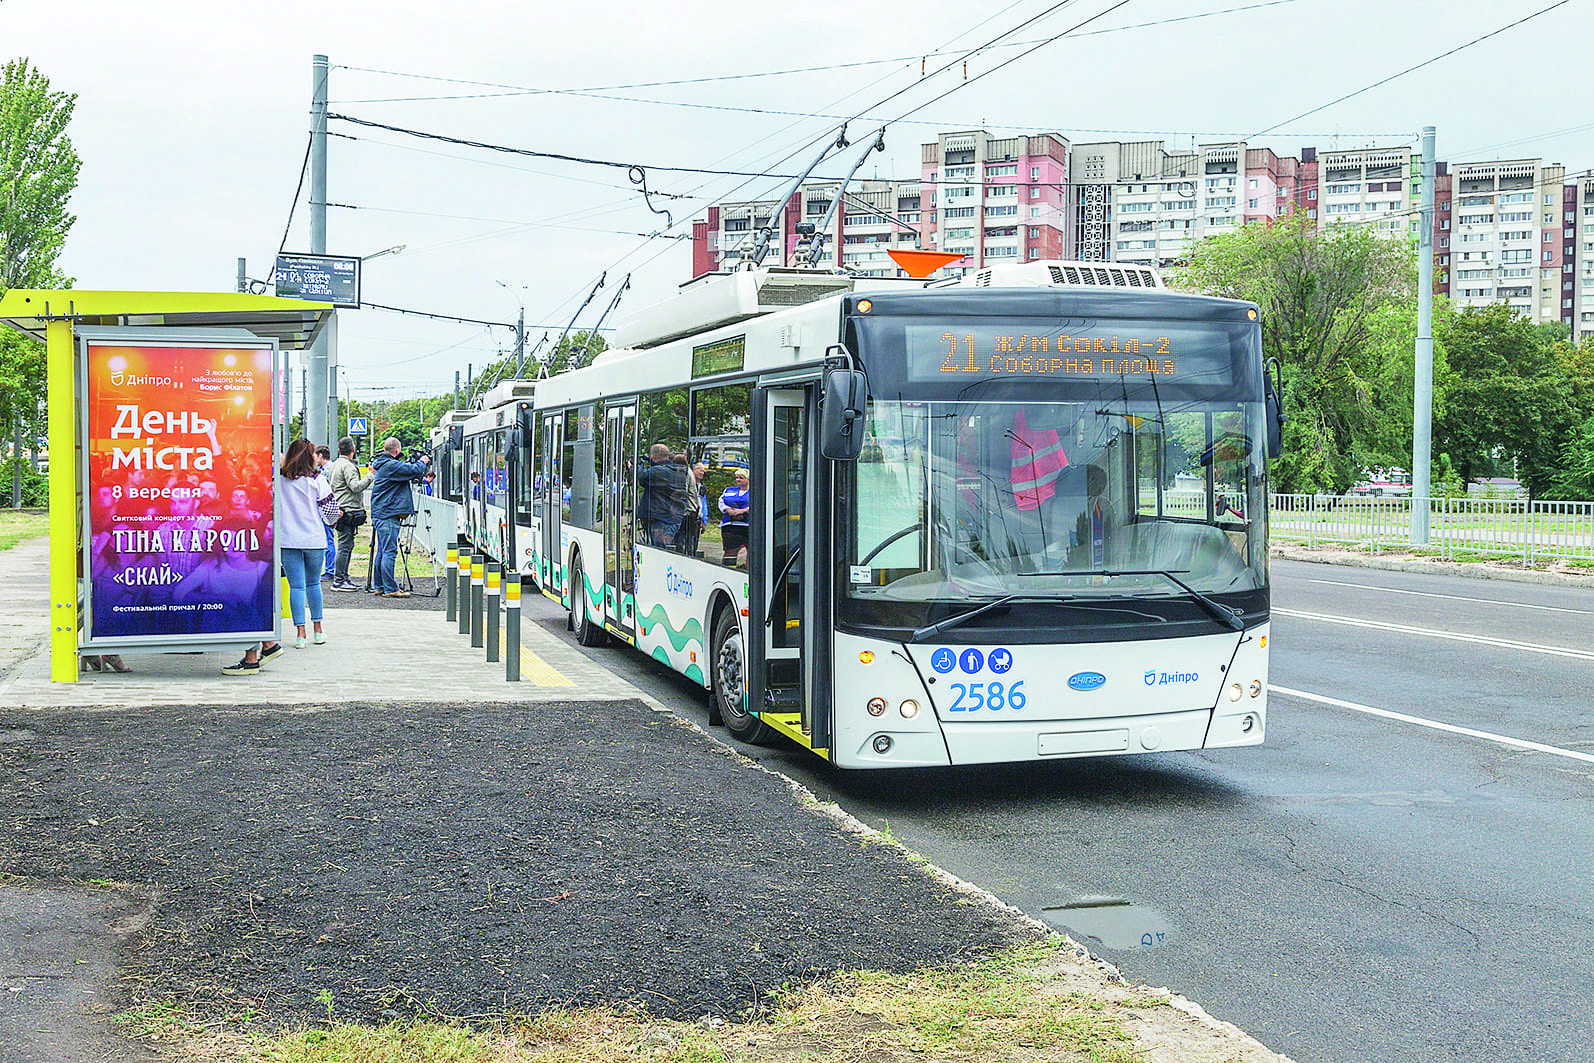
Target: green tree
{"x": 1321, "y": 294}
{"x": 38, "y": 171}
{"x": 1510, "y": 396}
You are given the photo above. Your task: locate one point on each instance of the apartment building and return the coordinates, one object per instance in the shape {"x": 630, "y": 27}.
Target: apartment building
{"x": 1577, "y": 259}
{"x": 995, "y": 199}
{"x": 873, "y": 217}
{"x": 1507, "y": 243}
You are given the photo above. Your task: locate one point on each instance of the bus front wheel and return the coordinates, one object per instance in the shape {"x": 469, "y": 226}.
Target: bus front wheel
{"x": 730, "y": 670}
{"x": 587, "y": 632}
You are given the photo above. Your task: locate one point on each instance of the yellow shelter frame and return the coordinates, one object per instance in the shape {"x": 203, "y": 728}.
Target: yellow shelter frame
{"x": 51, "y": 316}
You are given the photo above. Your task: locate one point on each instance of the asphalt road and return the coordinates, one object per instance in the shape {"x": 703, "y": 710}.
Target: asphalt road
{"x": 1364, "y": 886}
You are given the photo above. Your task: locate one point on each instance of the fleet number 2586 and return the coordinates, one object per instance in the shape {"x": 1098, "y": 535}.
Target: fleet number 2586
{"x": 972, "y": 697}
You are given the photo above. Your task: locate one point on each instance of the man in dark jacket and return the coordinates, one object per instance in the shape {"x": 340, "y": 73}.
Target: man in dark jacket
{"x": 391, "y": 502}
{"x": 663, "y": 486}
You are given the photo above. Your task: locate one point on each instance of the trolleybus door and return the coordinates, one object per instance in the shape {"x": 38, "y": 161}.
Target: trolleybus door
{"x": 552, "y": 566}
{"x": 784, "y": 569}
{"x": 619, "y": 499}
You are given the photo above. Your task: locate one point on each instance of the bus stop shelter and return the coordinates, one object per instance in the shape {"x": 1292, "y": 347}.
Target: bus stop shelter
{"x": 52, "y": 317}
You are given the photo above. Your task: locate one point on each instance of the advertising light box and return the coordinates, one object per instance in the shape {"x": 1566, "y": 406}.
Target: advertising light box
{"x": 178, "y": 489}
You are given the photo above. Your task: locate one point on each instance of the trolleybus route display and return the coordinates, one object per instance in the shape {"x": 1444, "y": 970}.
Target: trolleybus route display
{"x": 965, "y": 350}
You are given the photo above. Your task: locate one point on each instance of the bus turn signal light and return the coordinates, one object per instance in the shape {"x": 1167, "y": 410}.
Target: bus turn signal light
{"x": 877, "y": 706}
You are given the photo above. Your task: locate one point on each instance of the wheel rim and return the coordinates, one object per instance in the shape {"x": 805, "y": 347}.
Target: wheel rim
{"x": 729, "y": 672}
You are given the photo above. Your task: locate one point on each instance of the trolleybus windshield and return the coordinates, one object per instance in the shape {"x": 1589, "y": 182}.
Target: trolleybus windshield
{"x": 1038, "y": 473}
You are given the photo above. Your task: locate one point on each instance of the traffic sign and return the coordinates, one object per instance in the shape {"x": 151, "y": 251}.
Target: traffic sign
{"x": 357, "y": 427}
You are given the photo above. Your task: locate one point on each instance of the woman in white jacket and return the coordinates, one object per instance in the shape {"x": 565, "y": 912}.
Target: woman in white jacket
{"x": 301, "y": 535}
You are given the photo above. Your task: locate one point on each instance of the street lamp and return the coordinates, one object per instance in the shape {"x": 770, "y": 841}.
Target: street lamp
{"x": 385, "y": 251}
{"x": 520, "y": 328}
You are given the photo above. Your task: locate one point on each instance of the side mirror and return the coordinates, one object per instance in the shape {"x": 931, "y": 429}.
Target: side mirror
{"x": 1274, "y": 408}
{"x": 526, "y": 422}
{"x": 517, "y": 439}
{"x": 456, "y": 436}
{"x": 841, "y": 417}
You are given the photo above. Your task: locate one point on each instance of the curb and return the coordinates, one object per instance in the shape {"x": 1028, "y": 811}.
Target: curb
{"x": 1482, "y": 570}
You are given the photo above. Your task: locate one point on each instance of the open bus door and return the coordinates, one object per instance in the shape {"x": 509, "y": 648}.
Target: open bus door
{"x": 787, "y": 574}
{"x": 619, "y": 532}
{"x": 550, "y": 567}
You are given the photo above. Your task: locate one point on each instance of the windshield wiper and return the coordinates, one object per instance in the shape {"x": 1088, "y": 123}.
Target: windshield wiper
{"x": 958, "y": 619}
{"x": 1221, "y": 613}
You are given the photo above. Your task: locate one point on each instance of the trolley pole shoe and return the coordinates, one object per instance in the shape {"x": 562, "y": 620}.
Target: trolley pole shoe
{"x": 494, "y": 572}
{"x": 512, "y": 627}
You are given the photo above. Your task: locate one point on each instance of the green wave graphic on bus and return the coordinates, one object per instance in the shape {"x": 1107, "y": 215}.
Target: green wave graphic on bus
{"x": 680, "y": 638}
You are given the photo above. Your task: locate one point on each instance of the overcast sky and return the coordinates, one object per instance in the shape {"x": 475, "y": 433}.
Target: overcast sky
{"x": 192, "y": 123}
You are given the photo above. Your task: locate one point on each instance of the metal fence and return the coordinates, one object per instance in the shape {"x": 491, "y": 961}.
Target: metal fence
{"x": 1457, "y": 527}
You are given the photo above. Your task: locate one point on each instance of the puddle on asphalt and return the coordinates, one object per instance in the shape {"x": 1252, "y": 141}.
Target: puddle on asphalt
{"x": 1111, "y": 922}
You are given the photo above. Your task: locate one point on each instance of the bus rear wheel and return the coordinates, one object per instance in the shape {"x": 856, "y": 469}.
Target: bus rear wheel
{"x": 729, "y": 665}
{"x": 587, "y": 632}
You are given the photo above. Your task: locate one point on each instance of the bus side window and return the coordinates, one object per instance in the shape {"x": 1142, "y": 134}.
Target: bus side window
{"x": 721, "y": 440}
{"x": 664, "y": 473}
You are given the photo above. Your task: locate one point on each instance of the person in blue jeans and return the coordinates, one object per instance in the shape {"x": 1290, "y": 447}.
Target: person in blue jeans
{"x": 391, "y": 501}
{"x": 322, "y": 456}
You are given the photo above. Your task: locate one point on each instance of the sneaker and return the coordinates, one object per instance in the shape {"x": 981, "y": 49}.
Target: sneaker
{"x": 242, "y": 668}
{"x": 396, "y": 594}
{"x": 320, "y": 638}
{"x": 346, "y": 585}
{"x": 269, "y": 655}
{"x": 300, "y": 643}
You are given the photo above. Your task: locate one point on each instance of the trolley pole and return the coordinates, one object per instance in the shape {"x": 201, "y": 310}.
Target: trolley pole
{"x": 464, "y": 592}
{"x": 494, "y": 572}
{"x": 478, "y": 585}
{"x": 512, "y": 627}
{"x": 451, "y": 566}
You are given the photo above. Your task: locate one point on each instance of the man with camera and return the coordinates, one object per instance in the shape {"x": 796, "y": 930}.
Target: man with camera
{"x": 348, "y": 487}
{"x": 391, "y": 502}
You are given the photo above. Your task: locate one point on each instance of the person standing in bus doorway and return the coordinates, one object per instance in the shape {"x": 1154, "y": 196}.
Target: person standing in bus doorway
{"x": 735, "y": 505}
{"x": 663, "y": 497}
{"x": 695, "y": 517}
{"x": 348, "y": 486}
{"x": 391, "y": 502}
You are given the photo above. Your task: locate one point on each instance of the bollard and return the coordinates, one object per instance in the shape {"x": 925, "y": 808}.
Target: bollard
{"x": 464, "y": 592}
{"x": 451, "y": 566}
{"x": 493, "y": 571}
{"x": 512, "y": 628}
{"x": 478, "y": 583}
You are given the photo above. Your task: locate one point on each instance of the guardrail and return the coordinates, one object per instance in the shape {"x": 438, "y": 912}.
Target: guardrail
{"x": 1457, "y": 527}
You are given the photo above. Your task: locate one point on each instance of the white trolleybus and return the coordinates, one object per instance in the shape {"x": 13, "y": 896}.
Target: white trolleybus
{"x": 1018, "y": 516}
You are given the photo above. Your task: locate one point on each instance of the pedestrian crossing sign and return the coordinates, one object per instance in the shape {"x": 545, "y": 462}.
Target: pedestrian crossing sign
{"x": 357, "y": 427}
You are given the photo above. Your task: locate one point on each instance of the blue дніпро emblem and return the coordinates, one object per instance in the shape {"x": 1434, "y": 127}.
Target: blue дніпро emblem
{"x": 1086, "y": 680}
{"x": 1151, "y": 678}
{"x": 943, "y": 660}
{"x": 971, "y": 661}
{"x": 1000, "y": 660}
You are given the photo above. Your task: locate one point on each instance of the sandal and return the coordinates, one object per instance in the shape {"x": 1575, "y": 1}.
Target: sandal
{"x": 114, "y": 660}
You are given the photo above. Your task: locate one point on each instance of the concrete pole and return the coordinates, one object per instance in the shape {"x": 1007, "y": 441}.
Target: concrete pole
{"x": 1422, "y": 393}
{"x": 520, "y": 345}
{"x": 315, "y": 428}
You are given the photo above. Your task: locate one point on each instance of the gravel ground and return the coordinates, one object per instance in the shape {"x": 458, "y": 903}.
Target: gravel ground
{"x": 465, "y": 860}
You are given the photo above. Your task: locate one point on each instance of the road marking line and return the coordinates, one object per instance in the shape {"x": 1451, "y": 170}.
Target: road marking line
{"x": 1530, "y": 647}
{"x": 533, "y": 667}
{"x": 1515, "y": 743}
{"x": 1455, "y": 597}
